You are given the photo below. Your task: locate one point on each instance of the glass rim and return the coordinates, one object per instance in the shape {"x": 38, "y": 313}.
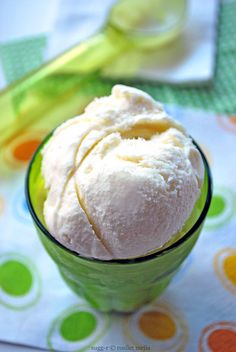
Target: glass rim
{"x": 133, "y": 260}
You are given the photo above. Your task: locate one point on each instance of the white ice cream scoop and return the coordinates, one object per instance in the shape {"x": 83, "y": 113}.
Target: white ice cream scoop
{"x": 122, "y": 178}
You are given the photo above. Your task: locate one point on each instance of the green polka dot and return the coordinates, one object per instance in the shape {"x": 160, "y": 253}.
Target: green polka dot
{"x": 77, "y": 326}
{"x": 217, "y": 206}
{"x": 15, "y": 278}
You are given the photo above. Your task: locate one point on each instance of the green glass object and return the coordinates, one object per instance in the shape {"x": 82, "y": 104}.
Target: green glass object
{"x": 62, "y": 88}
{"x": 121, "y": 285}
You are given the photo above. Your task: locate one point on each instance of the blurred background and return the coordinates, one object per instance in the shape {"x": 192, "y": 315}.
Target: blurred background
{"x": 199, "y": 61}
{"x": 182, "y": 52}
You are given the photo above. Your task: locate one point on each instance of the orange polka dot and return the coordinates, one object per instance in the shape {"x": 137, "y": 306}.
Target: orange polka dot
{"x": 222, "y": 340}
{"x": 157, "y": 325}
{"x": 225, "y": 268}
{"x": 228, "y": 123}
{"x": 233, "y": 119}
{"x": 218, "y": 337}
{"x": 24, "y": 151}
{"x": 230, "y": 268}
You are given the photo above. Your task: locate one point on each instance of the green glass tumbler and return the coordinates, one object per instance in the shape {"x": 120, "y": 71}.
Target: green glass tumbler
{"x": 116, "y": 285}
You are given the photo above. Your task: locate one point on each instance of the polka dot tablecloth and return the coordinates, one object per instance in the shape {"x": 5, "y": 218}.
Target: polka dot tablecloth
{"x": 196, "y": 313}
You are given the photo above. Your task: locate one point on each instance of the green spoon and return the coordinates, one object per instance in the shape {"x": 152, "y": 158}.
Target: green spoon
{"x": 61, "y": 88}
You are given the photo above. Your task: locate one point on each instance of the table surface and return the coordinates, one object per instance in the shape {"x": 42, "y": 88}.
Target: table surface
{"x": 14, "y": 348}
{"x": 8, "y": 31}
{"x": 13, "y": 26}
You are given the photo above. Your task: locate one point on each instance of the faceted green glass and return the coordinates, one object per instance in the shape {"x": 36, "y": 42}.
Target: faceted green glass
{"x": 125, "y": 284}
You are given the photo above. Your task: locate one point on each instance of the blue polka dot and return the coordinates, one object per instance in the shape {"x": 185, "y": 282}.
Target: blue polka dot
{"x": 24, "y": 205}
{"x": 20, "y": 208}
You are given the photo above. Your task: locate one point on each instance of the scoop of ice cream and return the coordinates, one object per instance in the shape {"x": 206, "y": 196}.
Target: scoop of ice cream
{"x": 122, "y": 178}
